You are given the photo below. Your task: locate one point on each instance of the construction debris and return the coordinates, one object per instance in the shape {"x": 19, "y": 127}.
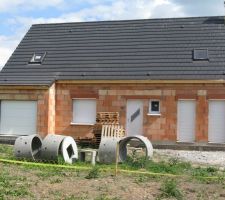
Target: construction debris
{"x": 107, "y": 150}
{"x": 140, "y": 141}
{"x": 69, "y": 150}
{"x": 28, "y": 147}
{"x": 51, "y": 147}
{"x": 100, "y": 128}
{"x": 32, "y": 147}
{"x": 83, "y": 155}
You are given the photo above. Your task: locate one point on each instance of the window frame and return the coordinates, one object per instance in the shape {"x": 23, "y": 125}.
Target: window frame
{"x": 73, "y": 122}
{"x": 154, "y": 113}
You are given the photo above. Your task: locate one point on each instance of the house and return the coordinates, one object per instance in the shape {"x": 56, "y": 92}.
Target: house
{"x": 165, "y": 77}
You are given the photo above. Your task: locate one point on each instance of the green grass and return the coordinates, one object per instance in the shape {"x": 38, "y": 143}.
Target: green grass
{"x": 6, "y": 151}
{"x": 170, "y": 189}
{"x": 172, "y": 166}
{"x": 105, "y": 197}
{"x": 73, "y": 197}
{"x": 93, "y": 173}
{"x": 14, "y": 186}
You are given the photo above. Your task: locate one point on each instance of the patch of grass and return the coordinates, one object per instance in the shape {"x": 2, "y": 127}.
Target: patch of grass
{"x": 57, "y": 175}
{"x": 12, "y": 186}
{"x": 105, "y": 197}
{"x": 50, "y": 172}
{"x": 144, "y": 178}
{"x": 170, "y": 189}
{"x": 72, "y": 197}
{"x": 6, "y": 151}
{"x": 57, "y": 180}
{"x": 173, "y": 166}
{"x": 57, "y": 194}
{"x": 204, "y": 172}
{"x": 93, "y": 173}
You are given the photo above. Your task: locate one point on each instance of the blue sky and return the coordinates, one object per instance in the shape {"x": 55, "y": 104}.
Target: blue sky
{"x": 16, "y": 16}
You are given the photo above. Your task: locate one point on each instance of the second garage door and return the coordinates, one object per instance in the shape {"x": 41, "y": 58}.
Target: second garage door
{"x": 18, "y": 117}
{"x": 216, "y": 121}
{"x": 186, "y": 120}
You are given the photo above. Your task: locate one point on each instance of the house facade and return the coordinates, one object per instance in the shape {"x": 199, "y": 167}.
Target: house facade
{"x": 165, "y": 77}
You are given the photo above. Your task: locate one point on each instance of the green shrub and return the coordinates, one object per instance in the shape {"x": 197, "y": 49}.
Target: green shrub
{"x": 169, "y": 189}
{"x": 211, "y": 170}
{"x": 136, "y": 162}
{"x": 93, "y": 173}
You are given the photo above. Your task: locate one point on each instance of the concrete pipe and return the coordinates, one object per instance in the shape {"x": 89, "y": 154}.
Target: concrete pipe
{"x": 69, "y": 150}
{"x": 141, "y": 139}
{"x": 28, "y": 147}
{"x": 51, "y": 147}
{"x": 107, "y": 150}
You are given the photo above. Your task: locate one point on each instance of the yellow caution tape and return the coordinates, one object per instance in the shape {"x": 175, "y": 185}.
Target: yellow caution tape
{"x": 106, "y": 169}
{"x": 37, "y": 164}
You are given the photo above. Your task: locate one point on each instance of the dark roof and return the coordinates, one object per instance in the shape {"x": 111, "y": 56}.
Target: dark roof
{"x": 157, "y": 49}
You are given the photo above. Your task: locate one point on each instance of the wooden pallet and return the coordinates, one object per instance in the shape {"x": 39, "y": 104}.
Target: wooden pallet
{"x": 107, "y": 118}
{"x": 101, "y": 131}
{"x": 114, "y": 131}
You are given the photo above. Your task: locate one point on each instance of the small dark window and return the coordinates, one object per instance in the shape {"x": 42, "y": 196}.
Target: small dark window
{"x": 37, "y": 58}
{"x": 200, "y": 54}
{"x": 154, "y": 107}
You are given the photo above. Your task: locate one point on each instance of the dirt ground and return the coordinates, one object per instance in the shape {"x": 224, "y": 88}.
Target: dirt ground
{"x": 37, "y": 183}
{"x": 53, "y": 183}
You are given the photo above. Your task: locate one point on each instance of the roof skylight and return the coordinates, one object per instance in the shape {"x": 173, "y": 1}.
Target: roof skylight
{"x": 200, "y": 54}
{"x": 37, "y": 58}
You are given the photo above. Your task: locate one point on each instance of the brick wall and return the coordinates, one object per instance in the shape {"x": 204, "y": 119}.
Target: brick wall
{"x": 55, "y": 106}
{"x": 113, "y": 97}
{"x": 51, "y": 109}
{"x": 41, "y": 96}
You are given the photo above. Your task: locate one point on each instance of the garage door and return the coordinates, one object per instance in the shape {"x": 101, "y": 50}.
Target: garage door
{"x": 216, "y": 121}
{"x": 186, "y": 120}
{"x": 18, "y": 117}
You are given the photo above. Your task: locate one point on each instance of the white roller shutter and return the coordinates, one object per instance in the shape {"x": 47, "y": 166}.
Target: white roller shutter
{"x": 18, "y": 117}
{"x": 186, "y": 120}
{"x": 84, "y": 111}
{"x": 216, "y": 121}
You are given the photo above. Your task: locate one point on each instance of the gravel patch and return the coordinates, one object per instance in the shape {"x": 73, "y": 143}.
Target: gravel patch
{"x": 216, "y": 158}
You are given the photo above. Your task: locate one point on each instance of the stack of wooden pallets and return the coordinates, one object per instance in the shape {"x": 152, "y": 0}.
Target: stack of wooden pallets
{"x": 107, "y": 125}
{"x": 107, "y": 118}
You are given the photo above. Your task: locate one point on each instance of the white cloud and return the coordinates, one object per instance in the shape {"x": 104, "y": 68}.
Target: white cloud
{"x": 13, "y": 5}
{"x": 117, "y": 10}
{"x": 8, "y": 44}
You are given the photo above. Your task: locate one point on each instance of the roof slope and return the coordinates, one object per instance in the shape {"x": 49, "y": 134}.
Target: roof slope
{"x": 157, "y": 49}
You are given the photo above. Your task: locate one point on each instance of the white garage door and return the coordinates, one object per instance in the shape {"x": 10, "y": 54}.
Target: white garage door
{"x": 216, "y": 121}
{"x": 18, "y": 117}
{"x": 186, "y": 121}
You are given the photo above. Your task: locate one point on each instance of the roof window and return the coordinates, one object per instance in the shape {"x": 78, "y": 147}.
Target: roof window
{"x": 37, "y": 58}
{"x": 200, "y": 54}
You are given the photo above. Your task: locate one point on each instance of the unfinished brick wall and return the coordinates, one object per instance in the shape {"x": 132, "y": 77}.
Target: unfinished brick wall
{"x": 113, "y": 98}
{"x": 51, "y": 110}
{"x": 39, "y": 95}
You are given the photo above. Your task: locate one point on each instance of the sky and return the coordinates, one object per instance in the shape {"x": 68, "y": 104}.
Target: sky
{"x": 16, "y": 16}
